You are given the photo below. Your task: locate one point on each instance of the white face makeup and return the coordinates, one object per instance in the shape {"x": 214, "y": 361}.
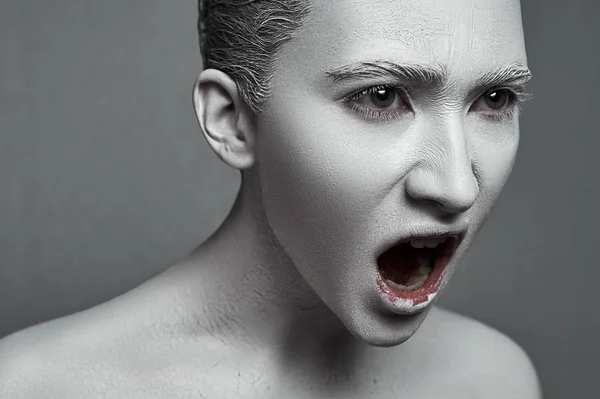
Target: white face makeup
{"x": 389, "y": 120}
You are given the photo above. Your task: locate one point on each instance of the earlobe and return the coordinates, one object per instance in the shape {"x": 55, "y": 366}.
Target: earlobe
{"x": 221, "y": 114}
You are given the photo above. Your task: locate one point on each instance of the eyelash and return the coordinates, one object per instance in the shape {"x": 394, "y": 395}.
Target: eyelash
{"x": 375, "y": 115}
{"x": 516, "y": 96}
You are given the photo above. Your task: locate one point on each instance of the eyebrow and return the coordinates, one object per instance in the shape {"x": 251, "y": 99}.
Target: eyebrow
{"x": 424, "y": 75}
{"x": 417, "y": 74}
{"x": 515, "y": 74}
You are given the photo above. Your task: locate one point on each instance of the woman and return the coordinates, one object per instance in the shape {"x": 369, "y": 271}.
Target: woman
{"x": 373, "y": 139}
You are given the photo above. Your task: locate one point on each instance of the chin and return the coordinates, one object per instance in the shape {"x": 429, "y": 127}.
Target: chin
{"x": 386, "y": 330}
{"x": 387, "y": 342}
{"x": 382, "y": 340}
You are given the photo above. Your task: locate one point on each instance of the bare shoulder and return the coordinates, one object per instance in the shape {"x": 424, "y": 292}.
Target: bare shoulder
{"x": 32, "y": 361}
{"x": 486, "y": 361}
{"x": 117, "y": 346}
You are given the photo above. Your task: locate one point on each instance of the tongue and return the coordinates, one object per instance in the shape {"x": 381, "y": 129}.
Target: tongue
{"x": 402, "y": 262}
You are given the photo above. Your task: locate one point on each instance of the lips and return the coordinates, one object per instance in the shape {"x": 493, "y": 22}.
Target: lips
{"x": 411, "y": 271}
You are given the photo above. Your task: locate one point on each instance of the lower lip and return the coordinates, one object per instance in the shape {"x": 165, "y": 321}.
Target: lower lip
{"x": 407, "y": 303}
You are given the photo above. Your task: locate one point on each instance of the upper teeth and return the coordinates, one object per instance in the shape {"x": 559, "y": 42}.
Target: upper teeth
{"x": 428, "y": 242}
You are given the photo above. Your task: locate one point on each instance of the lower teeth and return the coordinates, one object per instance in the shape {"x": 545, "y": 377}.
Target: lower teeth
{"x": 416, "y": 280}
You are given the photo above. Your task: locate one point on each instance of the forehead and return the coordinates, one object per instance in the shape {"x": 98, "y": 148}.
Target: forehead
{"x": 462, "y": 35}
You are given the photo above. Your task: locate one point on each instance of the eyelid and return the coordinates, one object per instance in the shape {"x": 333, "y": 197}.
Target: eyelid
{"x": 403, "y": 92}
{"x": 373, "y": 114}
{"x": 518, "y": 92}
{"x": 396, "y": 86}
{"x": 517, "y": 95}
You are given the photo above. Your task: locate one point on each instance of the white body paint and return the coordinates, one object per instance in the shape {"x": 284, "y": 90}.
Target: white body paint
{"x": 282, "y": 301}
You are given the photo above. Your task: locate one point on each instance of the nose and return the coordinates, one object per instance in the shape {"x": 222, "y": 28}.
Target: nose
{"x": 444, "y": 176}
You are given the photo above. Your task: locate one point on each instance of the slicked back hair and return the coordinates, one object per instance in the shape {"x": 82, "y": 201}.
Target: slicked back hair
{"x": 242, "y": 37}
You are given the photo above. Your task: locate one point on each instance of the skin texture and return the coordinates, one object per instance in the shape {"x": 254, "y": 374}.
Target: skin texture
{"x": 335, "y": 185}
{"x": 282, "y": 300}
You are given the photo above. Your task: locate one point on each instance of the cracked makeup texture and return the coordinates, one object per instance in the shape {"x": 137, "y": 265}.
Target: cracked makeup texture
{"x": 373, "y": 139}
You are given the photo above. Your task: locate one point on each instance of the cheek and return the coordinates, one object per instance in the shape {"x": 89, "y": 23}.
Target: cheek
{"x": 321, "y": 154}
{"x": 319, "y": 181}
{"x": 307, "y": 174}
{"x": 495, "y": 151}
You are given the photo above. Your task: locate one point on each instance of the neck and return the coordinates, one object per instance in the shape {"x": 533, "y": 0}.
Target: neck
{"x": 253, "y": 294}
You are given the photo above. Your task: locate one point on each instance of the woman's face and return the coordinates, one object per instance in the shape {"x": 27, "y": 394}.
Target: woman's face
{"x": 390, "y": 120}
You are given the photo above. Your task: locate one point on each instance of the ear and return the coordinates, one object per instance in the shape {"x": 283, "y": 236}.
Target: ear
{"x": 225, "y": 119}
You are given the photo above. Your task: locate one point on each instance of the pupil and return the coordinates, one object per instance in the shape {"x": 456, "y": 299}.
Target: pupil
{"x": 383, "y": 97}
{"x": 496, "y": 99}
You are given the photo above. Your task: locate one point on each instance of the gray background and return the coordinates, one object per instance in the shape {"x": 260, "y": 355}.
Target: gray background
{"x": 105, "y": 179}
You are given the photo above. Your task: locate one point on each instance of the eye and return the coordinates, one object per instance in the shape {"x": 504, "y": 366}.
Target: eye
{"x": 494, "y": 102}
{"x": 380, "y": 103}
{"x": 380, "y": 97}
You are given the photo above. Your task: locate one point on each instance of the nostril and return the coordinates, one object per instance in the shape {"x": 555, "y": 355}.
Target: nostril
{"x": 453, "y": 207}
{"x": 448, "y": 194}
{"x": 459, "y": 200}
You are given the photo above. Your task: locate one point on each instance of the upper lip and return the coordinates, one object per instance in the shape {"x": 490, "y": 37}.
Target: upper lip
{"x": 422, "y": 233}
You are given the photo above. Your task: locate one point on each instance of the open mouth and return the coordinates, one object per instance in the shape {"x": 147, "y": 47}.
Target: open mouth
{"x": 413, "y": 269}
